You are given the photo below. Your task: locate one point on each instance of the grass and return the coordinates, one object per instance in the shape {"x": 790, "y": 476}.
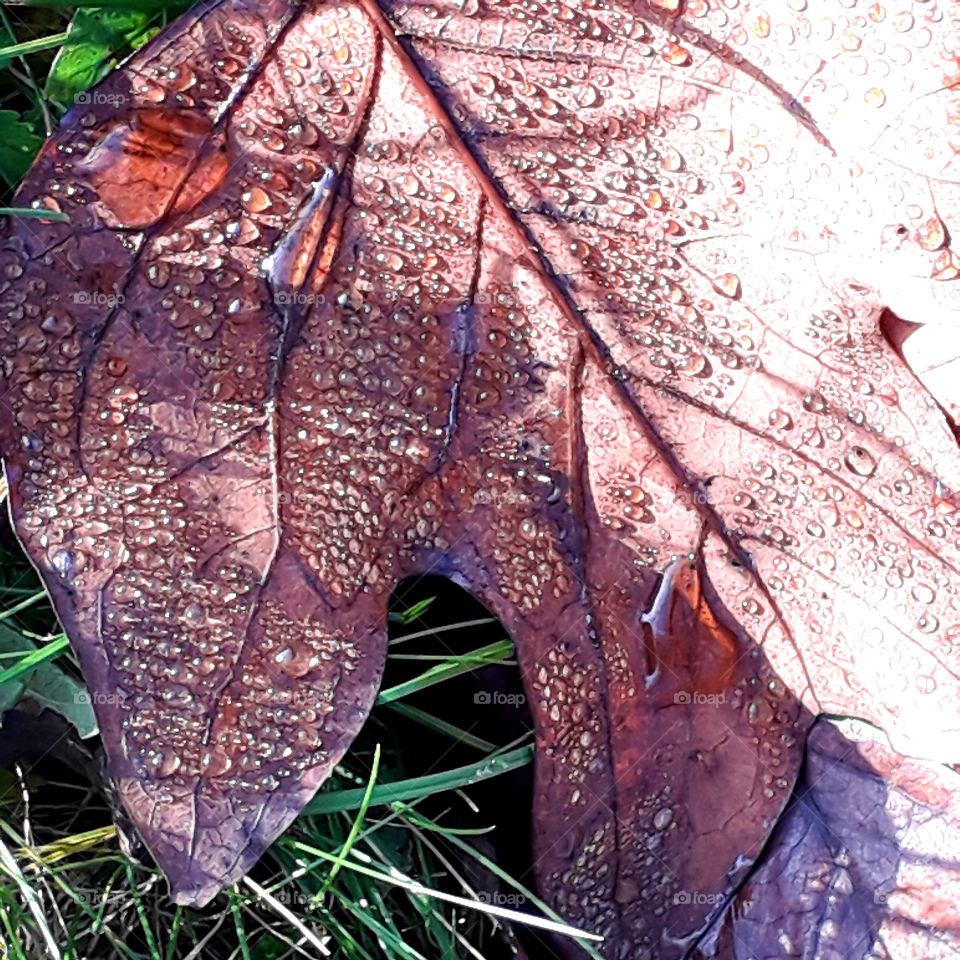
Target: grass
{"x": 394, "y": 857}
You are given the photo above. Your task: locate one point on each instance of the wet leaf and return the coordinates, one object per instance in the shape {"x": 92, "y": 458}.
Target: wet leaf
{"x": 889, "y": 873}
{"x": 582, "y": 308}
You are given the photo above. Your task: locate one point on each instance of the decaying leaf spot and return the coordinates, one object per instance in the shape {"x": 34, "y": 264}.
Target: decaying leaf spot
{"x": 156, "y": 162}
{"x": 684, "y": 637}
{"x": 583, "y": 309}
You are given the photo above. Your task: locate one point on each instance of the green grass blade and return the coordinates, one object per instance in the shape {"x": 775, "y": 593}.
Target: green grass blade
{"x": 444, "y": 629}
{"x": 37, "y": 596}
{"x": 9, "y": 866}
{"x": 357, "y": 824}
{"x": 174, "y": 933}
{"x": 389, "y": 940}
{"x": 415, "y": 788}
{"x": 34, "y": 214}
{"x": 30, "y": 660}
{"x": 30, "y": 46}
{"x": 396, "y": 878}
{"x": 411, "y": 614}
{"x": 288, "y": 915}
{"x": 497, "y": 652}
{"x": 502, "y": 874}
{"x": 148, "y": 5}
{"x": 238, "y": 923}
{"x": 142, "y": 914}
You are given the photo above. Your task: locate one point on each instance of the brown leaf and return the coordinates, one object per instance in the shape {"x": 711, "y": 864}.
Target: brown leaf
{"x": 577, "y": 306}
{"x": 866, "y": 856}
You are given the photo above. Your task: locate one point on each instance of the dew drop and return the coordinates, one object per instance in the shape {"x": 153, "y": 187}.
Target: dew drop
{"x": 932, "y": 235}
{"x": 676, "y": 55}
{"x": 860, "y": 461}
{"x": 256, "y": 200}
{"x": 780, "y": 419}
{"x": 729, "y": 285}
{"x": 923, "y": 593}
{"x": 663, "y": 818}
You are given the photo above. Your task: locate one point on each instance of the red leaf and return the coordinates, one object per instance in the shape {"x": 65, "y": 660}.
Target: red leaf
{"x": 580, "y": 307}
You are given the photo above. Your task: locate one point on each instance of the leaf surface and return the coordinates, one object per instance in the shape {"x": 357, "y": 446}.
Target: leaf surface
{"x": 585, "y": 308}
{"x": 864, "y": 862}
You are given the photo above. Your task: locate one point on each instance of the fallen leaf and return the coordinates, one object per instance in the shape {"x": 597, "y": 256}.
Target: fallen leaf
{"x": 888, "y": 874}
{"x": 579, "y": 308}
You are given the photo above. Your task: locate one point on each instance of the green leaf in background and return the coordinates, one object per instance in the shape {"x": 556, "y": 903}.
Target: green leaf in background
{"x": 45, "y": 683}
{"x": 19, "y": 143}
{"x": 95, "y": 39}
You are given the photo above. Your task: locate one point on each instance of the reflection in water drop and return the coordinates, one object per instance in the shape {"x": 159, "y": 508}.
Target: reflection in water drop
{"x": 860, "y": 461}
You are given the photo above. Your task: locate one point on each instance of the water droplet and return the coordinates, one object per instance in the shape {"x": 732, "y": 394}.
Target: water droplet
{"x": 663, "y": 818}
{"x": 256, "y": 200}
{"x": 728, "y": 284}
{"x": 780, "y": 419}
{"x": 194, "y": 612}
{"x": 932, "y": 234}
{"x": 66, "y": 563}
{"x": 166, "y": 764}
{"x": 483, "y": 84}
{"x": 676, "y": 55}
{"x": 860, "y": 461}
{"x": 923, "y": 593}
